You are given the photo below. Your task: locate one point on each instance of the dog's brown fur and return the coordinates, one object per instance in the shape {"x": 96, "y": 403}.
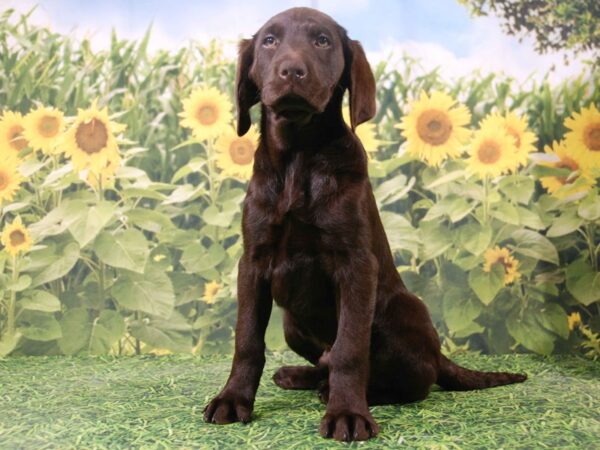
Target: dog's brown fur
{"x": 314, "y": 242}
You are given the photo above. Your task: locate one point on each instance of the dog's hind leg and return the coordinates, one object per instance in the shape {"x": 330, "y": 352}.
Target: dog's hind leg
{"x": 300, "y": 377}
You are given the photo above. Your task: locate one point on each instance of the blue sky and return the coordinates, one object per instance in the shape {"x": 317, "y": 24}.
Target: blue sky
{"x": 440, "y": 32}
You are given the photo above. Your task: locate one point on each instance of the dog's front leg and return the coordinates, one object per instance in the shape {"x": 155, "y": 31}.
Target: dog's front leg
{"x": 236, "y": 400}
{"x": 347, "y": 416}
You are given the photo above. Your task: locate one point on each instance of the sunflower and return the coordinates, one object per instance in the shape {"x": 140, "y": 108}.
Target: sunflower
{"x": 207, "y": 112}
{"x": 235, "y": 154}
{"x": 90, "y": 142}
{"x": 10, "y": 179}
{"x": 516, "y": 127}
{"x": 435, "y": 128}
{"x": 15, "y": 238}
{"x": 563, "y": 187}
{"x": 491, "y": 152}
{"x": 574, "y": 320}
{"x": 366, "y": 134}
{"x": 502, "y": 256}
{"x": 210, "y": 291}
{"x": 43, "y": 129}
{"x": 584, "y": 136}
{"x": 105, "y": 177}
{"x": 11, "y": 132}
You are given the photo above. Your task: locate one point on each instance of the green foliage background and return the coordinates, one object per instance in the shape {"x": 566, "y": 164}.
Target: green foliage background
{"x": 125, "y": 271}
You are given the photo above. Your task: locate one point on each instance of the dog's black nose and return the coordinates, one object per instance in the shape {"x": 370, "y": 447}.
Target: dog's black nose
{"x": 292, "y": 70}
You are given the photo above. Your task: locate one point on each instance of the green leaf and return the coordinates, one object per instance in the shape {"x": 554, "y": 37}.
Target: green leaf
{"x": 90, "y": 221}
{"x": 533, "y": 244}
{"x": 475, "y": 238}
{"x": 173, "y": 334}
{"x": 564, "y": 224}
{"x": 529, "y": 333}
{"x": 506, "y": 212}
{"x": 75, "y": 327}
{"x": 589, "y": 208}
{"x": 459, "y": 309}
{"x": 435, "y": 238}
{"x": 127, "y": 249}
{"x": 105, "y": 331}
{"x": 39, "y": 326}
{"x": 66, "y": 258}
{"x": 21, "y": 284}
{"x": 83, "y": 334}
{"x": 40, "y": 301}
{"x": 196, "y": 258}
{"x": 454, "y": 175}
{"x": 530, "y": 218}
{"x": 518, "y": 188}
{"x": 583, "y": 282}
{"x": 184, "y": 193}
{"x": 540, "y": 171}
{"x": 487, "y": 284}
{"x": 9, "y": 343}
{"x": 453, "y": 206}
{"x": 58, "y": 220}
{"x": 401, "y": 234}
{"x": 151, "y": 292}
{"x": 553, "y": 318}
{"x": 149, "y": 219}
{"x": 212, "y": 216}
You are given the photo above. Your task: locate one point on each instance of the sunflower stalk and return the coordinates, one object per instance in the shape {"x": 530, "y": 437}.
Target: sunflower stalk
{"x": 12, "y": 301}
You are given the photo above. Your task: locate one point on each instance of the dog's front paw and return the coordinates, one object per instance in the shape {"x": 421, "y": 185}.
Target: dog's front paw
{"x": 225, "y": 409}
{"x": 349, "y": 426}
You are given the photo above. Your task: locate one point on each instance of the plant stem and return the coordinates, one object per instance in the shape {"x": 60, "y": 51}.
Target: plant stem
{"x": 590, "y": 231}
{"x": 10, "y": 329}
{"x": 486, "y": 206}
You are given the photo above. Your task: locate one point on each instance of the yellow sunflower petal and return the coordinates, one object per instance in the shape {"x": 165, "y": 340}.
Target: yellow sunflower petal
{"x": 10, "y": 180}
{"x": 516, "y": 128}
{"x": 235, "y": 154}
{"x": 16, "y": 238}
{"x": 210, "y": 291}
{"x": 207, "y": 112}
{"x": 564, "y": 158}
{"x": 90, "y": 142}
{"x": 43, "y": 129}
{"x": 11, "y": 132}
{"x": 435, "y": 129}
{"x": 498, "y": 255}
{"x": 584, "y": 135}
{"x": 491, "y": 152}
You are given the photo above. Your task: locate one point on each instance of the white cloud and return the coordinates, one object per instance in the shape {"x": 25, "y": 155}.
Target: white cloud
{"x": 487, "y": 49}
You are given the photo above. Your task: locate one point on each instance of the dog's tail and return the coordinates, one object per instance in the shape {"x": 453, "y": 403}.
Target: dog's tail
{"x": 455, "y": 378}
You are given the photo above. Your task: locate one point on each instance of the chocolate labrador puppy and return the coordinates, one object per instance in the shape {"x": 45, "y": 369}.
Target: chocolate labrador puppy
{"x": 314, "y": 242}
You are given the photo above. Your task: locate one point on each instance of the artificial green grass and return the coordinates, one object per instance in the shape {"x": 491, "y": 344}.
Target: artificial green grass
{"x": 157, "y": 402}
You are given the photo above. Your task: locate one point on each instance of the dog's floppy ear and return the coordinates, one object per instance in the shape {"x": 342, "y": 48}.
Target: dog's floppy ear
{"x": 246, "y": 90}
{"x": 361, "y": 84}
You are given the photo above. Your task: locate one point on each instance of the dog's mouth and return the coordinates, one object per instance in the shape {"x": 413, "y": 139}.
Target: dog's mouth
{"x": 293, "y": 107}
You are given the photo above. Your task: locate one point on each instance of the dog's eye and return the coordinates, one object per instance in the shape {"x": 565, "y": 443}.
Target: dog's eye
{"x": 322, "y": 41}
{"x": 269, "y": 41}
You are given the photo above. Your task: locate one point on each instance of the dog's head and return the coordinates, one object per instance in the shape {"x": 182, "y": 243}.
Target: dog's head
{"x": 295, "y": 63}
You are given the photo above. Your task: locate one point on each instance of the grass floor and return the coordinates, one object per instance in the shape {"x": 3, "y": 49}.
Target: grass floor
{"x": 157, "y": 402}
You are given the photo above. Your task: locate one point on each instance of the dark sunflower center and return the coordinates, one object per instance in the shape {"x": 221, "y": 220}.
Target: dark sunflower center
{"x": 434, "y": 127}
{"x": 566, "y": 163}
{"x": 17, "y": 141}
{"x": 207, "y": 114}
{"x": 591, "y": 137}
{"x": 48, "y": 126}
{"x": 489, "y": 152}
{"x": 241, "y": 151}
{"x": 92, "y": 136}
{"x": 17, "y": 238}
